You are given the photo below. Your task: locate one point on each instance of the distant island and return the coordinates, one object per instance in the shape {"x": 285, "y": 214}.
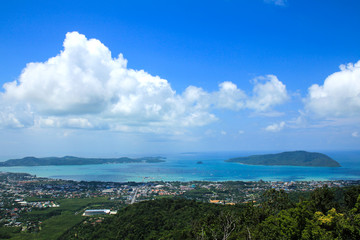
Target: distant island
{"x": 295, "y": 158}
{"x": 70, "y": 160}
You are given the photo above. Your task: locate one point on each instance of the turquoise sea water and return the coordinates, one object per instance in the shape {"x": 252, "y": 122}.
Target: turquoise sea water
{"x": 184, "y": 167}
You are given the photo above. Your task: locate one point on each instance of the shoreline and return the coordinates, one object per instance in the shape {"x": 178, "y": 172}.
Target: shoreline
{"x": 189, "y": 181}
{"x": 185, "y": 169}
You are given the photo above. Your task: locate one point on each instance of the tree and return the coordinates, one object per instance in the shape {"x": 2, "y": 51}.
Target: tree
{"x": 323, "y": 199}
{"x": 274, "y": 201}
{"x": 351, "y": 195}
{"x": 216, "y": 227}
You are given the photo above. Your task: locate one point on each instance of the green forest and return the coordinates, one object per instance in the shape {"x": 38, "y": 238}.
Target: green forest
{"x": 294, "y": 158}
{"x": 70, "y": 160}
{"x": 327, "y": 213}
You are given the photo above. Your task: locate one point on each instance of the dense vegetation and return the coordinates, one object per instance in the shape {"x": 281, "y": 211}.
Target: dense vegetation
{"x": 295, "y": 158}
{"x": 55, "y": 221}
{"x": 69, "y": 160}
{"x": 325, "y": 214}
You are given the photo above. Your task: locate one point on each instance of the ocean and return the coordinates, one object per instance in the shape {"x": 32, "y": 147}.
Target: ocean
{"x": 186, "y": 167}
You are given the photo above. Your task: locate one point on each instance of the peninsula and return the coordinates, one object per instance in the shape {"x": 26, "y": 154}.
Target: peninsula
{"x": 70, "y": 160}
{"x": 294, "y": 158}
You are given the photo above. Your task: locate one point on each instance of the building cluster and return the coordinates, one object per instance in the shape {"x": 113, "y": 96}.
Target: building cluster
{"x": 22, "y": 193}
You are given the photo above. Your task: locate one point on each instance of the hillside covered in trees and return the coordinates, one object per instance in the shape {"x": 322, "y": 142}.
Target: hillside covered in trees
{"x": 325, "y": 214}
{"x": 295, "y": 158}
{"x": 70, "y": 160}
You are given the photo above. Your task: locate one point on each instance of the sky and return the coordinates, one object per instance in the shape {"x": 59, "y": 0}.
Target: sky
{"x": 115, "y": 78}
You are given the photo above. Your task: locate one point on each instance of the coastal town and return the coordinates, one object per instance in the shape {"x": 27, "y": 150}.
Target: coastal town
{"x": 26, "y": 200}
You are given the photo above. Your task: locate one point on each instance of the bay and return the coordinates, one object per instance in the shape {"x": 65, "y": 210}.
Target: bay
{"x": 187, "y": 167}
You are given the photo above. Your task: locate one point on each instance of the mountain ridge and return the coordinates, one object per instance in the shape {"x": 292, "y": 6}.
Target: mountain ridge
{"x": 71, "y": 160}
{"x": 291, "y": 158}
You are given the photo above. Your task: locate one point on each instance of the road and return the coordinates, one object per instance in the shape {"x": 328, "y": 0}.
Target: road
{"x": 134, "y": 197}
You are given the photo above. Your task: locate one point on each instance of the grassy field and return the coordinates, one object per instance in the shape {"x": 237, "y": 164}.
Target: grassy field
{"x": 64, "y": 217}
{"x": 37, "y": 199}
{"x": 52, "y": 228}
{"x": 74, "y": 204}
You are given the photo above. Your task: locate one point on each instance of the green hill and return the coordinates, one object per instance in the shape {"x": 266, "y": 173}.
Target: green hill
{"x": 158, "y": 219}
{"x": 69, "y": 160}
{"x": 295, "y": 158}
{"x": 274, "y": 217}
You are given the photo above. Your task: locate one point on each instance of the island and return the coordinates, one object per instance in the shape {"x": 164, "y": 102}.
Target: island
{"x": 70, "y": 160}
{"x": 294, "y": 158}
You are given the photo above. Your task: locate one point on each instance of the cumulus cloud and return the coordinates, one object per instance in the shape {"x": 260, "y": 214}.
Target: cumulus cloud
{"x": 355, "y": 134}
{"x": 276, "y": 127}
{"x": 14, "y": 115}
{"x": 70, "y": 122}
{"x": 72, "y": 82}
{"x": 230, "y": 97}
{"x": 339, "y": 96}
{"x": 85, "y": 87}
{"x": 268, "y": 92}
{"x": 9, "y": 120}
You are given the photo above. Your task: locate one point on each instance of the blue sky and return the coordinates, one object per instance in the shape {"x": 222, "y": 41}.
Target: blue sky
{"x": 193, "y": 76}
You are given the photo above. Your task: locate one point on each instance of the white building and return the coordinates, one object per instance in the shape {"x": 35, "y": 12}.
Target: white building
{"x": 91, "y": 212}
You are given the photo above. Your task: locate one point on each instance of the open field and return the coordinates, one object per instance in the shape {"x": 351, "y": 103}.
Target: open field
{"x": 57, "y": 220}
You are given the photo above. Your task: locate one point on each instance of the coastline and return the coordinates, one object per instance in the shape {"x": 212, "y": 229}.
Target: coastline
{"x": 185, "y": 168}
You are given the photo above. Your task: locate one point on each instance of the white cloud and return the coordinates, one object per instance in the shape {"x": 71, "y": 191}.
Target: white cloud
{"x": 84, "y": 87}
{"x": 14, "y": 115}
{"x": 268, "y": 114}
{"x": 9, "y": 120}
{"x": 339, "y": 96}
{"x": 355, "y": 134}
{"x": 268, "y": 92}
{"x": 230, "y": 97}
{"x": 72, "y": 82}
{"x": 277, "y": 2}
{"x": 276, "y": 127}
{"x": 59, "y": 122}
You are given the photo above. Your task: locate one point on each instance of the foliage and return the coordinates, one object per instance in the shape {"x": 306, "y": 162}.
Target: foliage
{"x": 351, "y": 195}
{"x": 328, "y": 213}
{"x": 163, "y": 219}
{"x": 53, "y": 227}
{"x": 55, "y": 221}
{"x": 69, "y": 160}
{"x": 275, "y": 201}
{"x": 295, "y": 158}
{"x": 6, "y": 232}
{"x": 274, "y": 218}
{"x": 323, "y": 199}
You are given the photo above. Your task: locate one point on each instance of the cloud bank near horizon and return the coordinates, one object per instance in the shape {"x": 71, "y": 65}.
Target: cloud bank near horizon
{"x": 85, "y": 87}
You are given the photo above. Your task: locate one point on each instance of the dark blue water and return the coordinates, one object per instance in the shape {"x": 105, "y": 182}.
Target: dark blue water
{"x": 185, "y": 167}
